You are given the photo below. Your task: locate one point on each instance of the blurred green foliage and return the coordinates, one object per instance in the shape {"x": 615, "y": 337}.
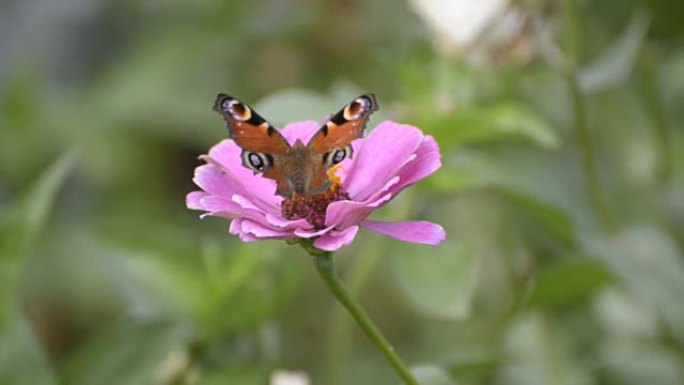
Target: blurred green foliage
{"x": 106, "y": 277}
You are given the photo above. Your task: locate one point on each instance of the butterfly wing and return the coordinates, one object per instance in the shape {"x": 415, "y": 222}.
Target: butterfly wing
{"x": 333, "y": 139}
{"x": 248, "y": 129}
{"x": 298, "y": 169}
{"x": 264, "y": 149}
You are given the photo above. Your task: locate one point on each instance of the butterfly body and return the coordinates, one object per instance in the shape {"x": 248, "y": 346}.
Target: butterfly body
{"x": 299, "y": 169}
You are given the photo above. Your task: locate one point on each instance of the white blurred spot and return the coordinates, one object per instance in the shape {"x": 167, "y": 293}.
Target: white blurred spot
{"x": 282, "y": 377}
{"x": 485, "y": 31}
{"x": 458, "y": 22}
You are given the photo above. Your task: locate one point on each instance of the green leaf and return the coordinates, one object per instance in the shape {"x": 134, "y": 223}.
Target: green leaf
{"x": 539, "y": 354}
{"x": 616, "y": 64}
{"x": 523, "y": 180}
{"x": 30, "y": 212}
{"x": 439, "y": 282}
{"x": 646, "y": 258}
{"x": 22, "y": 359}
{"x": 504, "y": 120}
{"x": 551, "y": 218}
{"x": 641, "y": 363}
{"x": 130, "y": 353}
{"x": 568, "y": 283}
{"x": 24, "y": 222}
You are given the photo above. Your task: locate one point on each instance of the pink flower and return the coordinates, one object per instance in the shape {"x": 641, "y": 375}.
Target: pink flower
{"x": 392, "y": 157}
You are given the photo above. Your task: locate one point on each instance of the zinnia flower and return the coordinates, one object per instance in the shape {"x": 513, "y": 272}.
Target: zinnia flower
{"x": 392, "y": 157}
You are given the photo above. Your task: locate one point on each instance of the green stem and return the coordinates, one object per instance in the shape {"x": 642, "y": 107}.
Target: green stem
{"x": 324, "y": 264}
{"x": 587, "y": 149}
{"x": 340, "y": 325}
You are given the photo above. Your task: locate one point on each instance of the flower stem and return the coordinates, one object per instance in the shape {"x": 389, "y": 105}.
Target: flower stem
{"x": 324, "y": 264}
{"x": 340, "y": 324}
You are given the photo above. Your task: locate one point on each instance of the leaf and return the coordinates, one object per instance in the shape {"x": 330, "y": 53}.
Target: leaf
{"x": 22, "y": 359}
{"x": 30, "y": 212}
{"x": 551, "y": 218}
{"x": 640, "y": 363}
{"x": 539, "y": 354}
{"x": 130, "y": 353}
{"x": 616, "y": 64}
{"x": 503, "y": 120}
{"x": 439, "y": 282}
{"x": 521, "y": 176}
{"x": 24, "y": 222}
{"x": 568, "y": 283}
{"x": 647, "y": 260}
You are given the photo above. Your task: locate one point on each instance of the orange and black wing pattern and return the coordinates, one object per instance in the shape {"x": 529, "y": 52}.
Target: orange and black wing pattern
{"x": 248, "y": 129}
{"x": 343, "y": 127}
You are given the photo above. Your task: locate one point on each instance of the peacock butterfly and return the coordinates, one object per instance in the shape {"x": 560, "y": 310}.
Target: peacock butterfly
{"x": 300, "y": 169}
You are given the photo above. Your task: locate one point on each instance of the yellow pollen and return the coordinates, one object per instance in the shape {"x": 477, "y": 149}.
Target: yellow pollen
{"x": 332, "y": 176}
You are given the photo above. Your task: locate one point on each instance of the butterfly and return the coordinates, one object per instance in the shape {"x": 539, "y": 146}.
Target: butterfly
{"x": 300, "y": 169}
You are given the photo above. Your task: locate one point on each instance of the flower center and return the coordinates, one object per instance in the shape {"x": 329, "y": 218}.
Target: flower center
{"x": 313, "y": 208}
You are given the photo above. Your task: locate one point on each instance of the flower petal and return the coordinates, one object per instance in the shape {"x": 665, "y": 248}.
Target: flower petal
{"x": 226, "y": 157}
{"x": 428, "y": 160}
{"x": 219, "y": 203}
{"x": 336, "y": 239}
{"x": 260, "y": 231}
{"x": 279, "y": 221}
{"x": 412, "y": 231}
{"x": 312, "y": 233}
{"x": 213, "y": 181}
{"x": 260, "y": 191}
{"x": 222, "y": 207}
{"x": 192, "y": 200}
{"x": 384, "y": 151}
{"x": 235, "y": 226}
{"x": 343, "y": 214}
{"x": 250, "y": 231}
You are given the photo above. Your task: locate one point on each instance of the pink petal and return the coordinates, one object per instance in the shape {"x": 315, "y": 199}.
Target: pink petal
{"x": 216, "y": 179}
{"x": 336, "y": 239}
{"x": 385, "y": 150}
{"x": 342, "y": 214}
{"x": 428, "y": 160}
{"x": 213, "y": 181}
{"x": 281, "y": 222}
{"x": 412, "y": 231}
{"x": 219, "y": 203}
{"x": 300, "y": 130}
{"x": 225, "y": 157}
{"x": 222, "y": 207}
{"x": 312, "y": 233}
{"x": 220, "y": 214}
{"x": 260, "y": 231}
{"x": 235, "y": 226}
{"x": 192, "y": 200}
{"x": 250, "y": 231}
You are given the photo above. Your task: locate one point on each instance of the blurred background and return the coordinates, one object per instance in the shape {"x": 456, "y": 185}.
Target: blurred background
{"x": 562, "y": 192}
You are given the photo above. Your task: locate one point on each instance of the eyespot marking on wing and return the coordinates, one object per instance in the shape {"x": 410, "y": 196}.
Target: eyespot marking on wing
{"x": 236, "y": 109}
{"x": 358, "y": 108}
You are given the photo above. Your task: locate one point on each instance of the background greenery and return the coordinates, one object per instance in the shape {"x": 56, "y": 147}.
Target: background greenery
{"x": 562, "y": 193}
